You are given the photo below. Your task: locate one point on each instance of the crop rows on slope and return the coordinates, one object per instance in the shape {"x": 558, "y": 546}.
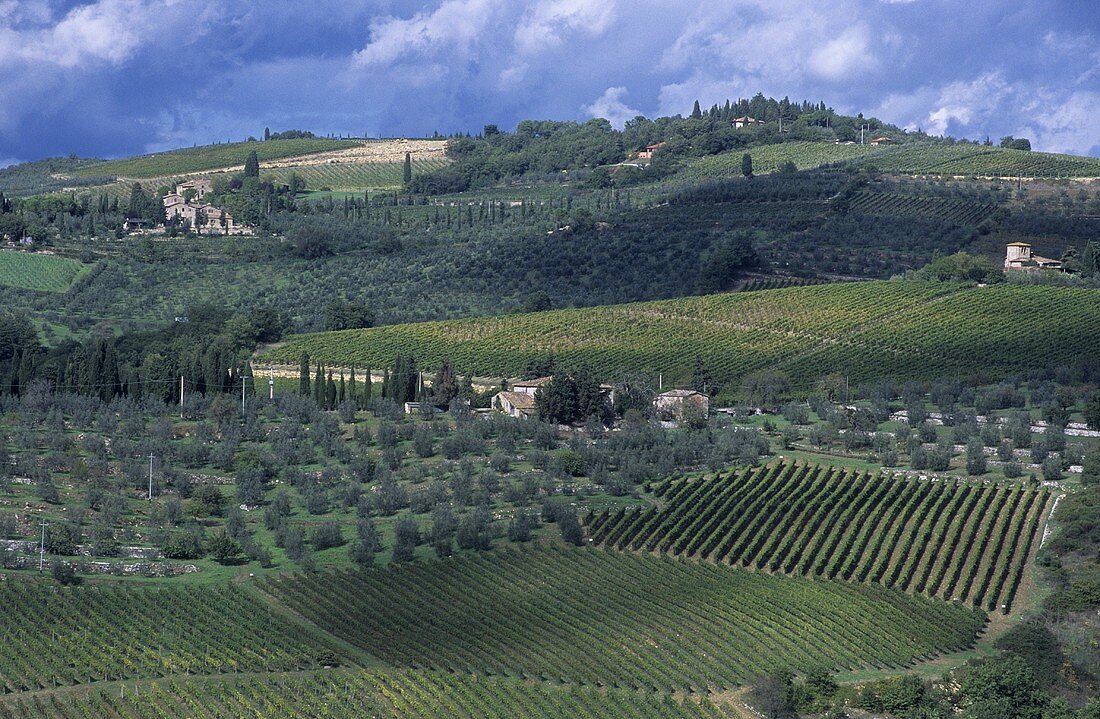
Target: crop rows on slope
{"x": 353, "y": 175}
{"x": 866, "y": 331}
{"x": 338, "y": 694}
{"x": 956, "y": 210}
{"x": 767, "y": 158}
{"x": 981, "y": 161}
{"x": 611, "y": 618}
{"x": 45, "y": 273}
{"x": 52, "y": 636}
{"x": 943, "y": 539}
{"x": 211, "y": 157}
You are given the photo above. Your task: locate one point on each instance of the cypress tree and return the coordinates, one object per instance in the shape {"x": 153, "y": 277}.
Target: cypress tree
{"x": 249, "y": 380}
{"x": 252, "y": 165}
{"x": 342, "y": 395}
{"x": 319, "y": 387}
{"x": 696, "y": 111}
{"x": 330, "y": 392}
{"x": 368, "y": 388}
{"x": 408, "y": 173}
{"x": 303, "y": 375}
{"x": 353, "y": 395}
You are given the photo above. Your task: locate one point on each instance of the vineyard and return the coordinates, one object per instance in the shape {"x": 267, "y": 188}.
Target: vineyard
{"x": 353, "y": 175}
{"x": 603, "y": 618}
{"x": 342, "y": 693}
{"x": 960, "y": 211}
{"x": 944, "y": 539}
{"x": 53, "y": 636}
{"x": 45, "y": 273}
{"x": 866, "y": 331}
{"x": 210, "y": 157}
{"x": 768, "y": 158}
{"x": 981, "y": 161}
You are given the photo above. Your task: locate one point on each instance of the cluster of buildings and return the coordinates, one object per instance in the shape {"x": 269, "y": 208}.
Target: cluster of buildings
{"x": 186, "y": 205}
{"x": 519, "y": 400}
{"x": 1018, "y": 256}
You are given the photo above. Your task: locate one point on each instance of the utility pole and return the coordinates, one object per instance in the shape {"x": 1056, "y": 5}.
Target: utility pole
{"x": 181, "y": 396}
{"x": 42, "y": 546}
{"x": 150, "y": 477}
{"x": 861, "y": 129}
{"x": 242, "y": 393}
{"x": 270, "y": 384}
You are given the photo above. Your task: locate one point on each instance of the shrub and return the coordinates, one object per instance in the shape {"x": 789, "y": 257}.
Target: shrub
{"x": 326, "y": 535}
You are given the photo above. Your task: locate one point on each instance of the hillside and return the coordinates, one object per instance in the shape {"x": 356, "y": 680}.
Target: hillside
{"x": 864, "y": 331}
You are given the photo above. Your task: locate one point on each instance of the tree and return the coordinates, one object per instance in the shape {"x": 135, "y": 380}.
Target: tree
{"x": 407, "y": 175}
{"x": 444, "y": 385}
{"x": 570, "y": 398}
{"x": 570, "y": 526}
{"x": 746, "y": 165}
{"x": 1092, "y": 410}
{"x": 267, "y": 134}
{"x": 696, "y": 111}
{"x": 1001, "y": 688}
{"x": 342, "y": 315}
{"x": 303, "y": 374}
{"x": 252, "y": 165}
{"x": 223, "y": 547}
{"x": 723, "y": 263}
{"x": 537, "y": 301}
{"x": 1014, "y": 143}
{"x": 975, "y": 458}
{"x": 769, "y": 695}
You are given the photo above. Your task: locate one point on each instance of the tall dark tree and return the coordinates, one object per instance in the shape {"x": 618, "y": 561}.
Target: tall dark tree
{"x": 696, "y": 111}
{"x": 267, "y": 134}
{"x": 252, "y": 165}
{"x": 303, "y": 375}
{"x": 408, "y": 173}
{"x": 746, "y": 165}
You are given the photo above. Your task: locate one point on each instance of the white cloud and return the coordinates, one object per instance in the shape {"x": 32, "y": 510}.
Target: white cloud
{"x": 611, "y": 107}
{"x": 451, "y": 30}
{"x": 845, "y": 57}
{"x": 546, "y": 24}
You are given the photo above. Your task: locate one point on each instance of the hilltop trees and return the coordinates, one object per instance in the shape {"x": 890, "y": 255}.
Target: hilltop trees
{"x": 570, "y": 398}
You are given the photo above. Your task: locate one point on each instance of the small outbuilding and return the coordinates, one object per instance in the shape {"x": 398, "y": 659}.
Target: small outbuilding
{"x": 515, "y": 404}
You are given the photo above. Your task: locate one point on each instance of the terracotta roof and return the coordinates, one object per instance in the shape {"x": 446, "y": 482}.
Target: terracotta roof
{"x": 519, "y": 400}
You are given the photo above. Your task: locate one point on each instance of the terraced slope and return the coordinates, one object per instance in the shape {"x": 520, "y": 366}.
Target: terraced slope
{"x": 609, "y": 618}
{"x": 341, "y": 694}
{"x": 866, "y": 331}
{"x": 51, "y": 636}
{"x": 980, "y": 161}
{"x": 944, "y": 539}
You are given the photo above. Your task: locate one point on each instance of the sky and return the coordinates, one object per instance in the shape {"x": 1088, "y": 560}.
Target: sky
{"x": 109, "y": 78}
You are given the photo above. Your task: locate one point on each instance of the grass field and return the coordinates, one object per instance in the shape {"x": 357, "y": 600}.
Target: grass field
{"x": 209, "y": 157}
{"x": 866, "y": 331}
{"x": 952, "y": 541}
{"x": 637, "y": 621}
{"x": 32, "y": 271}
{"x": 981, "y": 161}
{"x": 338, "y": 694}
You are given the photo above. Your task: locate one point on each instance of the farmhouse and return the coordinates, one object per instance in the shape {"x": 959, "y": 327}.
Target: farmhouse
{"x": 1018, "y": 256}
{"x": 200, "y": 188}
{"x": 675, "y": 403}
{"x": 882, "y": 140}
{"x": 515, "y": 404}
{"x": 200, "y": 216}
{"x": 647, "y": 153}
{"x": 740, "y": 122}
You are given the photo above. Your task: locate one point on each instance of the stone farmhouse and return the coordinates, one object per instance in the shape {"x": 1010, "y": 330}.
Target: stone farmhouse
{"x": 882, "y": 140}
{"x": 647, "y": 153}
{"x": 515, "y": 404}
{"x": 185, "y": 204}
{"x": 1018, "y": 256}
{"x": 740, "y": 122}
{"x": 675, "y": 403}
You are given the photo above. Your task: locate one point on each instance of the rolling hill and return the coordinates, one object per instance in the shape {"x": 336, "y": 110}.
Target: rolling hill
{"x": 866, "y": 331}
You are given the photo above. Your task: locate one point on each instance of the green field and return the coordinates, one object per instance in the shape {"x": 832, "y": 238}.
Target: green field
{"x": 210, "y": 157}
{"x": 54, "y": 636}
{"x": 337, "y": 694}
{"x": 32, "y": 271}
{"x": 604, "y": 618}
{"x": 948, "y": 540}
{"x": 866, "y": 331}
